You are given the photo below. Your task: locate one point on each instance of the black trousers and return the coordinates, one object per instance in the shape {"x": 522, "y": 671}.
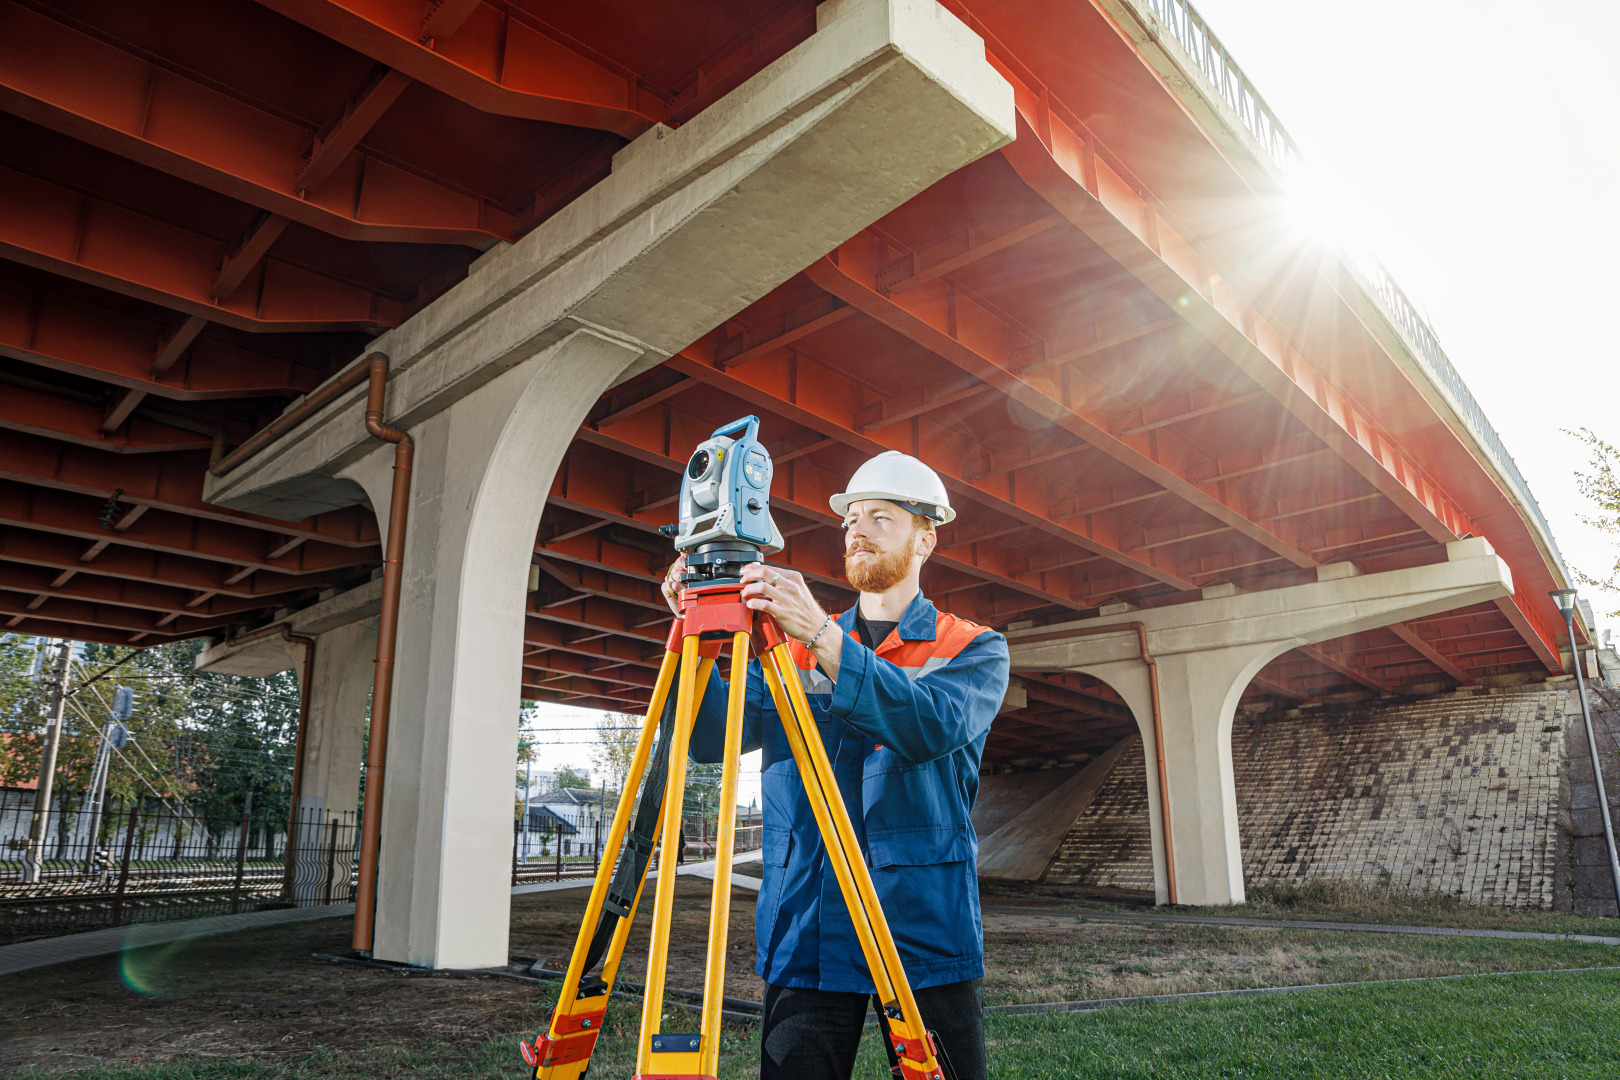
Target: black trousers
{"x": 814, "y": 1034}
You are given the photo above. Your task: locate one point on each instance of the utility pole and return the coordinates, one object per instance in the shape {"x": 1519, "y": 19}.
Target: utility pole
{"x": 528, "y": 774}
{"x": 1565, "y": 599}
{"x": 34, "y": 857}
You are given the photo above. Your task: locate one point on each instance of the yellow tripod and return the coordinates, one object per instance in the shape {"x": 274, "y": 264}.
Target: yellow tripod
{"x": 710, "y": 616}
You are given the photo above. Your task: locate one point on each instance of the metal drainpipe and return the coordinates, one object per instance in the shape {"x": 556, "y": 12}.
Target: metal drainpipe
{"x": 304, "y": 682}
{"x": 1158, "y": 725}
{"x": 365, "y": 897}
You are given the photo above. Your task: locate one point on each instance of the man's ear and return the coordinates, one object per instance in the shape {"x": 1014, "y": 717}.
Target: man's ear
{"x": 926, "y": 541}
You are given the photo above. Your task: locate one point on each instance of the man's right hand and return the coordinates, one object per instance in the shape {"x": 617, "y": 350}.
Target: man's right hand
{"x": 672, "y": 585}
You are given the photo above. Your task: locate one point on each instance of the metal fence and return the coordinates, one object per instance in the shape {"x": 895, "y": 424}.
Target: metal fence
{"x": 543, "y": 855}
{"x": 147, "y": 863}
{"x": 157, "y": 863}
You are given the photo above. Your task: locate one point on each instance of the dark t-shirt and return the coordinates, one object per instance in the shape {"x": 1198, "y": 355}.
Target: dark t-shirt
{"x": 872, "y": 634}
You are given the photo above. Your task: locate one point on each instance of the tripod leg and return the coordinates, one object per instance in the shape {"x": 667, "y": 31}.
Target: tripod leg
{"x": 910, "y": 1037}
{"x": 714, "y": 980}
{"x": 678, "y": 1055}
{"x": 564, "y": 1051}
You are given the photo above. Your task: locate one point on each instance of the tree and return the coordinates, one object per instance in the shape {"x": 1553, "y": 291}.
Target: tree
{"x": 616, "y": 735}
{"x": 568, "y": 778}
{"x": 1601, "y": 486}
{"x": 200, "y": 741}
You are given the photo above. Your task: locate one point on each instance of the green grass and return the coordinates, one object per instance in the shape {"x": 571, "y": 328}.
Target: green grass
{"x": 1531, "y": 1025}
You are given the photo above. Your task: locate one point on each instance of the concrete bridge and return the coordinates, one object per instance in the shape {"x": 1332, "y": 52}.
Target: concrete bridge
{"x": 1039, "y": 245}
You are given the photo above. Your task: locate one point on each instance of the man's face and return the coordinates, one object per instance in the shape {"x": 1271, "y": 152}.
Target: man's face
{"x": 882, "y": 544}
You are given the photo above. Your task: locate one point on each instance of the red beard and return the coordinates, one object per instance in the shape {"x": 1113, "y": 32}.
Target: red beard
{"x": 878, "y": 572}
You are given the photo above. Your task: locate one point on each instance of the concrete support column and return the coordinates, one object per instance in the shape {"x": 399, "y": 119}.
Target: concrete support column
{"x": 344, "y": 629}
{"x": 1206, "y": 652}
{"x": 339, "y": 701}
{"x": 483, "y": 469}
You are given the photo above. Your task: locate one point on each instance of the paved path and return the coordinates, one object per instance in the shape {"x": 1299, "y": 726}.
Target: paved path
{"x": 1299, "y": 924}
{"x": 60, "y": 950}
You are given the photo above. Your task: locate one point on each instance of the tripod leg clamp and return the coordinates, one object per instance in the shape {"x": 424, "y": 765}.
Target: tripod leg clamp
{"x": 913, "y": 1054}
{"x": 574, "y": 1041}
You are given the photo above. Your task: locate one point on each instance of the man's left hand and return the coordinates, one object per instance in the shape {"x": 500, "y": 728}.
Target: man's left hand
{"x": 783, "y": 594}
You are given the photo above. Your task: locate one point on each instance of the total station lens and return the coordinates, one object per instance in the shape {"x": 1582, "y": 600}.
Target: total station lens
{"x": 698, "y": 465}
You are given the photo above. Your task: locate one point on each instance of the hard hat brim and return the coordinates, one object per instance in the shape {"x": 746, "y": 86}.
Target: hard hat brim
{"x": 840, "y": 504}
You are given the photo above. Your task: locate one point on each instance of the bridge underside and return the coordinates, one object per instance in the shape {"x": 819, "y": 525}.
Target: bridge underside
{"x": 1141, "y": 389}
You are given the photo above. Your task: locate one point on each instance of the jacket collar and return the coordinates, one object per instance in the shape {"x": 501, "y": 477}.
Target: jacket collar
{"x": 917, "y": 624}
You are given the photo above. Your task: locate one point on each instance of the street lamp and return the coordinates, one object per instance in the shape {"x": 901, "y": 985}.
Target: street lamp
{"x": 1565, "y": 599}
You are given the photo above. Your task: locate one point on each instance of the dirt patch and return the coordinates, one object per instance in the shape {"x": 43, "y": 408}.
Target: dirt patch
{"x": 261, "y": 996}
{"x": 1034, "y": 957}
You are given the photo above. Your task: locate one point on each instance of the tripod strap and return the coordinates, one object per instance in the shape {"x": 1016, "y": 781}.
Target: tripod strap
{"x": 638, "y": 845}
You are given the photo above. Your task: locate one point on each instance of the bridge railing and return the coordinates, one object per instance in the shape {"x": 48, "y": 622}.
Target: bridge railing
{"x": 1230, "y": 85}
{"x": 1227, "y": 79}
{"x": 1403, "y": 315}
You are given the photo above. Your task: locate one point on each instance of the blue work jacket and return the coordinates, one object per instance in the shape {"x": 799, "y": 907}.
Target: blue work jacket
{"x": 904, "y": 729}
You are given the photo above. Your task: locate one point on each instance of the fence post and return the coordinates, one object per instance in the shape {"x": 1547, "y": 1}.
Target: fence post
{"x": 559, "y": 852}
{"x": 241, "y": 853}
{"x": 123, "y": 870}
{"x": 515, "y": 829}
{"x": 295, "y": 824}
{"x": 331, "y": 859}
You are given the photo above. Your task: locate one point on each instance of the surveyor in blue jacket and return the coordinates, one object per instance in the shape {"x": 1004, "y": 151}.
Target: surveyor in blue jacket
{"x": 903, "y": 696}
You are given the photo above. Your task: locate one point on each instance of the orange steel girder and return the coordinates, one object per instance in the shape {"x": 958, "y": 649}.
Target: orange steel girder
{"x": 67, "y": 514}
{"x": 499, "y": 60}
{"x": 795, "y": 386}
{"x": 208, "y": 578}
{"x": 1066, "y": 170}
{"x": 90, "y": 90}
{"x": 168, "y": 482}
{"x": 119, "y": 592}
{"x": 955, "y": 326}
{"x": 49, "y": 416}
{"x": 100, "y": 243}
{"x": 70, "y": 336}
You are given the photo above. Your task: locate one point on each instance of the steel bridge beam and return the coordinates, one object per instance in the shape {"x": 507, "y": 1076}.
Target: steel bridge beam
{"x": 172, "y": 483}
{"x": 100, "y": 243}
{"x": 56, "y": 417}
{"x": 1061, "y": 162}
{"x": 158, "y": 568}
{"x": 67, "y": 514}
{"x": 955, "y": 326}
{"x": 499, "y": 60}
{"x": 774, "y": 385}
{"x": 91, "y": 90}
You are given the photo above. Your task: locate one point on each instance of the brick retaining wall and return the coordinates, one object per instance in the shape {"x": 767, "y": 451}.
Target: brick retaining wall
{"x": 1460, "y": 793}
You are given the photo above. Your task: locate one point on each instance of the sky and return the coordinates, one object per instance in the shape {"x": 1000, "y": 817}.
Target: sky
{"x": 1472, "y": 147}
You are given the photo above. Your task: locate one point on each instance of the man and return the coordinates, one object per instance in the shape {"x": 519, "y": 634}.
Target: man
{"x": 903, "y": 696}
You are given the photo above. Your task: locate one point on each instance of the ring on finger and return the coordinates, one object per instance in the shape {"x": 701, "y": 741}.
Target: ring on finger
{"x": 775, "y": 578}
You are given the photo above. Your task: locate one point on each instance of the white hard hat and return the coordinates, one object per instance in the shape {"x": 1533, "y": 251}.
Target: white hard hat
{"x": 901, "y": 479}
